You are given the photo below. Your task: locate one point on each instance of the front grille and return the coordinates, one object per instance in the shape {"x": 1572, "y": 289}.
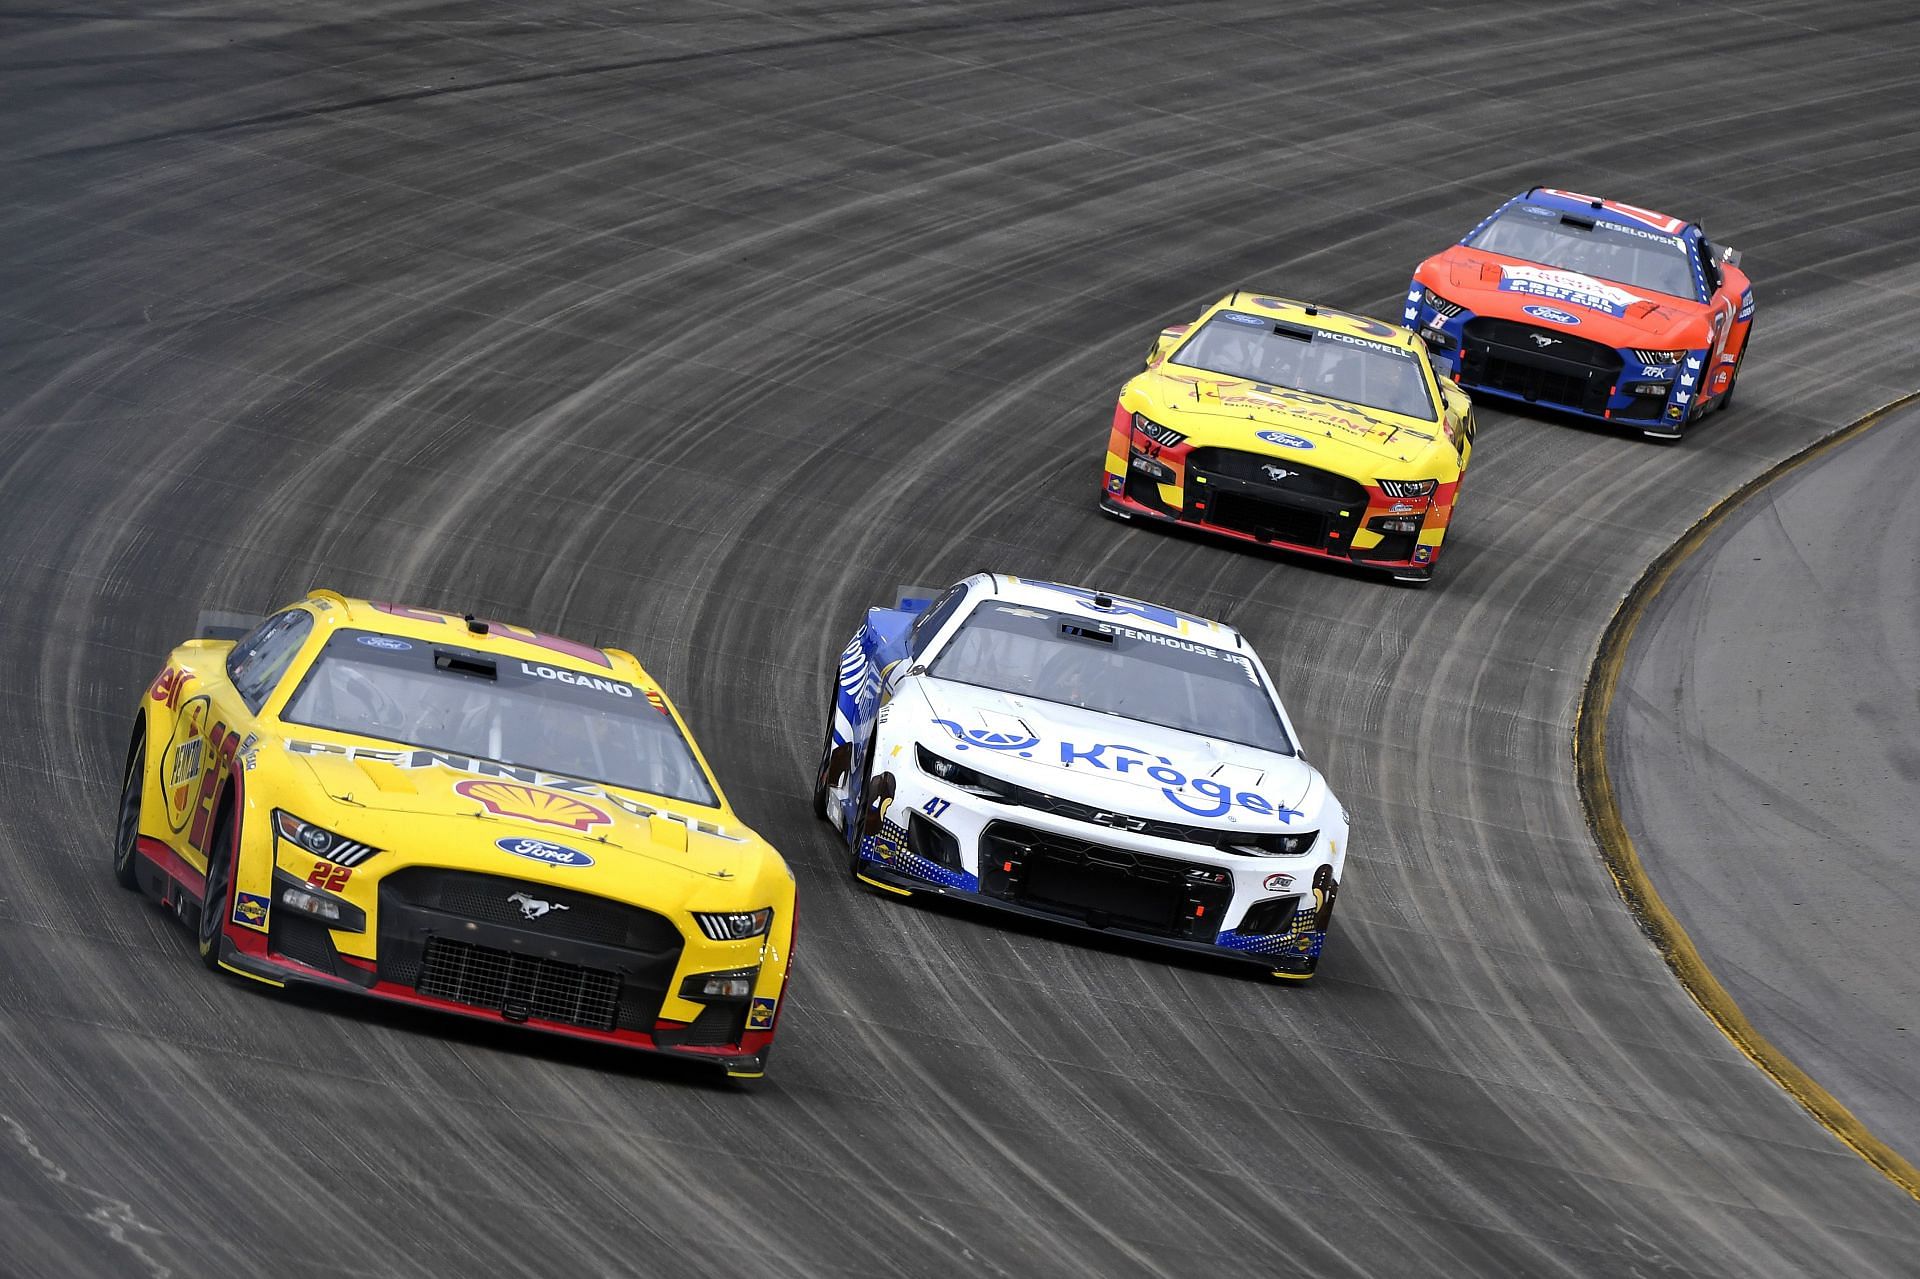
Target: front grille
{"x": 519, "y": 985}
{"x": 493, "y": 899}
{"x": 590, "y": 960}
{"x": 1282, "y": 477}
{"x": 1539, "y": 364}
{"x": 1103, "y": 886}
{"x": 1273, "y": 499}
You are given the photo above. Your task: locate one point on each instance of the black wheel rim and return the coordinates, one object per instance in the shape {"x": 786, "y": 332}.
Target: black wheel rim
{"x": 213, "y": 907}
{"x": 128, "y": 832}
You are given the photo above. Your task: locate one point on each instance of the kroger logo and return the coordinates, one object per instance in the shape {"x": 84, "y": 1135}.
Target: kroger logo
{"x": 1201, "y": 796}
{"x": 1285, "y": 441}
{"x": 1552, "y": 314}
{"x": 541, "y": 850}
{"x": 387, "y": 642}
{"x": 988, "y": 739}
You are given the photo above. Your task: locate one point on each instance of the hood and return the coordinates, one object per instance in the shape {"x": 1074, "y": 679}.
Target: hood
{"x": 1602, "y": 310}
{"x": 1134, "y": 768}
{"x": 1245, "y": 414}
{"x": 427, "y": 796}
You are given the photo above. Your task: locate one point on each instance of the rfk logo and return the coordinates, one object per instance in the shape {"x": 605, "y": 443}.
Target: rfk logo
{"x": 533, "y": 907}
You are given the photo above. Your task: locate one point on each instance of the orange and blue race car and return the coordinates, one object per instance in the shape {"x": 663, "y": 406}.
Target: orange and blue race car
{"x": 1296, "y": 427}
{"x": 458, "y": 815}
{"x": 1589, "y": 306}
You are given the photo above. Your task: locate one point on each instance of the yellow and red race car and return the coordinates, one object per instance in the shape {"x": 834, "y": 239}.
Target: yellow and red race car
{"x": 1294, "y": 426}
{"x": 461, "y": 815}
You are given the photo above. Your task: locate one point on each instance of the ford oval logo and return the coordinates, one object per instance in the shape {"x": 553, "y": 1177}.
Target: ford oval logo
{"x": 541, "y": 850}
{"x": 1285, "y": 441}
{"x": 388, "y": 642}
{"x": 1551, "y": 314}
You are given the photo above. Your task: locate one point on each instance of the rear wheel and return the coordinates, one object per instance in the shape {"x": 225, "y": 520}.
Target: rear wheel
{"x": 217, "y": 904}
{"x": 126, "y": 830}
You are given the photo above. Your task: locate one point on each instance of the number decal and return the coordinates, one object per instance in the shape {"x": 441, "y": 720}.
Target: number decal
{"x": 330, "y": 877}
{"x": 936, "y": 806}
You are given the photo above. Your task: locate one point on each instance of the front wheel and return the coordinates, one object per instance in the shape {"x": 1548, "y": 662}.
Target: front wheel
{"x": 823, "y": 776}
{"x": 218, "y": 901}
{"x": 126, "y": 830}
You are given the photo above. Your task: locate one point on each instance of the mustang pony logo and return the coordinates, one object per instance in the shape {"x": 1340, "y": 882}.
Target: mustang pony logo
{"x": 533, "y": 907}
{"x": 533, "y": 803}
{"x": 1278, "y": 473}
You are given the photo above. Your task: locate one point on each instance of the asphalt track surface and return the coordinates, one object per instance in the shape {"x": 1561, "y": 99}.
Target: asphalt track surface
{"x": 700, "y": 326}
{"x": 1766, "y": 756}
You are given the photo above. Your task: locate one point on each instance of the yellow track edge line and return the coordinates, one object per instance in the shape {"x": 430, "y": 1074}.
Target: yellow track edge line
{"x": 1623, "y": 861}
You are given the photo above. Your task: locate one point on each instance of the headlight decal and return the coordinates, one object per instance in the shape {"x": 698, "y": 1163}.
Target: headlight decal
{"x": 320, "y": 841}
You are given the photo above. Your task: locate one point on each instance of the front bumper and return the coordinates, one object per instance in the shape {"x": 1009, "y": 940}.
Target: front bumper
{"x": 1546, "y": 367}
{"x": 1165, "y": 892}
{"x": 746, "y": 1059}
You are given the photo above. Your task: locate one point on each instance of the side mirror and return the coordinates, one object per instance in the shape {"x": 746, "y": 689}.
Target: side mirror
{"x": 1168, "y": 339}
{"x": 1729, "y": 257}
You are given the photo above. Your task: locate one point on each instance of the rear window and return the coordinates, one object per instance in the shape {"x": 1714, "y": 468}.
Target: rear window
{"x": 1109, "y": 666}
{"x": 528, "y": 714}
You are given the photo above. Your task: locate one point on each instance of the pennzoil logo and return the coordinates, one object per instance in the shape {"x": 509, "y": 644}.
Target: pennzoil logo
{"x": 533, "y": 804}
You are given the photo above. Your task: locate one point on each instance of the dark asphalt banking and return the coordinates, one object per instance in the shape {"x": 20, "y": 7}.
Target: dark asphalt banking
{"x": 697, "y": 327}
{"x": 1765, "y": 750}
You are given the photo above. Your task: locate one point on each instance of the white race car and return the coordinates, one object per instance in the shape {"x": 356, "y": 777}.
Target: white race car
{"x": 1086, "y": 758}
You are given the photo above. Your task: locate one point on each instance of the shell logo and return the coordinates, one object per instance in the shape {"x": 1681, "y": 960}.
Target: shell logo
{"x": 533, "y": 803}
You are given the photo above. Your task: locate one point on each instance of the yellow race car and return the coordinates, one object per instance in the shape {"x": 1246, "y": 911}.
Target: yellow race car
{"x": 460, "y": 815}
{"x": 1297, "y": 427}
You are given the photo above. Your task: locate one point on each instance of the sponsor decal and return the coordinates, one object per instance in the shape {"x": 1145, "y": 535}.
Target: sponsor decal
{"x": 185, "y": 760}
{"x": 533, "y": 804}
{"x": 330, "y": 877}
{"x": 1238, "y": 318}
{"x": 389, "y": 643}
{"x": 1115, "y": 484}
{"x": 1657, "y": 372}
{"x": 562, "y": 676}
{"x": 171, "y": 683}
{"x": 534, "y": 907}
{"x": 986, "y": 739}
{"x": 1279, "y": 882}
{"x": 1201, "y": 796}
{"x": 1284, "y": 440}
{"x": 1746, "y": 307}
{"x": 1421, "y": 554}
{"x": 250, "y": 910}
{"x": 1568, "y": 286}
{"x": 541, "y": 850}
{"x": 760, "y": 1013}
{"x": 1551, "y": 314}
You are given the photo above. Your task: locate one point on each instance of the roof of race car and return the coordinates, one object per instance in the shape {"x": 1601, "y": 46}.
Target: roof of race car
{"x": 1138, "y": 613}
{"x": 1600, "y": 210}
{"x": 433, "y": 626}
{"x": 1310, "y": 315}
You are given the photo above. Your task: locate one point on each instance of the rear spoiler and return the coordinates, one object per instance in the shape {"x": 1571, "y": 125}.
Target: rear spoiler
{"x": 216, "y": 624}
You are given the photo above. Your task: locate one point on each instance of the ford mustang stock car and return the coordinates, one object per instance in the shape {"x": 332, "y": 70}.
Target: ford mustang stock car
{"x": 1081, "y": 757}
{"x": 458, "y": 815}
{"x": 1296, "y": 427}
{"x": 1589, "y": 306}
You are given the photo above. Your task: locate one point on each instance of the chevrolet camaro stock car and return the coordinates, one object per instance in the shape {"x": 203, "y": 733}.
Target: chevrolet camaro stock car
{"x": 460, "y": 815}
{"x": 1297, "y": 427}
{"x": 1047, "y": 750}
{"x": 1589, "y": 306}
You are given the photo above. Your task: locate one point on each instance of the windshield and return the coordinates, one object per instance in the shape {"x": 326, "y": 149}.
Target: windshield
{"x": 1623, "y": 254}
{"x": 528, "y": 714}
{"x": 1113, "y": 668}
{"x": 1336, "y": 366}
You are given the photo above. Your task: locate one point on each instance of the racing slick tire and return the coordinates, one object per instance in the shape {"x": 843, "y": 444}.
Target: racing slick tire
{"x": 820, "y": 796}
{"x": 126, "y": 830}
{"x": 217, "y": 904}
